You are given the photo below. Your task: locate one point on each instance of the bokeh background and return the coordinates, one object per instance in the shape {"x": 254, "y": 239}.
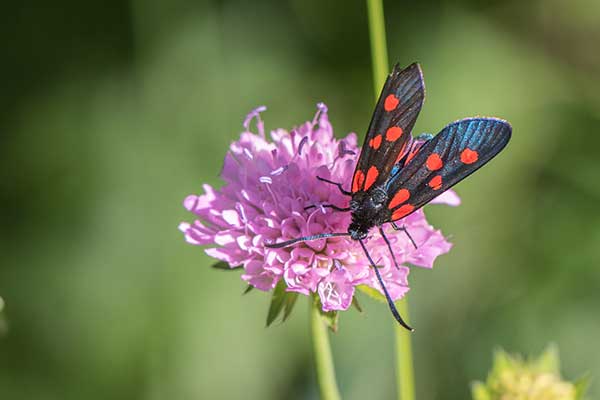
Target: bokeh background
{"x": 111, "y": 112}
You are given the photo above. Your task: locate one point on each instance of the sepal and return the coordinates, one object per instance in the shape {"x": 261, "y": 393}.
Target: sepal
{"x": 223, "y": 266}
{"x": 282, "y": 301}
{"x": 372, "y": 293}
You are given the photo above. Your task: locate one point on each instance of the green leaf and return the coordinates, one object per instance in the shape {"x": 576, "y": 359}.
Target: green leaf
{"x": 222, "y": 265}
{"x": 277, "y": 302}
{"x": 248, "y": 289}
{"x": 548, "y": 361}
{"x": 373, "y": 293}
{"x": 581, "y": 386}
{"x": 281, "y": 300}
{"x": 331, "y": 319}
{"x": 480, "y": 392}
{"x": 356, "y": 304}
{"x": 502, "y": 362}
{"x": 290, "y": 302}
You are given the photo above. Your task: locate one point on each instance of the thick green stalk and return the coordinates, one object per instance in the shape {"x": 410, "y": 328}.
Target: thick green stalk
{"x": 379, "y": 57}
{"x": 323, "y": 358}
{"x": 404, "y": 361}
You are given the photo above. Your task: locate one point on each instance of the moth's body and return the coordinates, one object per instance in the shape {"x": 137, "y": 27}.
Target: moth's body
{"x": 367, "y": 211}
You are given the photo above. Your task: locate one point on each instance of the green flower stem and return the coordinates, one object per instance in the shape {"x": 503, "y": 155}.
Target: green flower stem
{"x": 379, "y": 56}
{"x": 404, "y": 359}
{"x": 404, "y": 362}
{"x": 323, "y": 358}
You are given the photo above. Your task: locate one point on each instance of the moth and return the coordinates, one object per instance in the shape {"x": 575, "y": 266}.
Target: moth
{"x": 396, "y": 175}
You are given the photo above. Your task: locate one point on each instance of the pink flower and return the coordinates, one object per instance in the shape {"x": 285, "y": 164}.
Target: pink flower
{"x": 268, "y": 183}
{"x": 336, "y": 290}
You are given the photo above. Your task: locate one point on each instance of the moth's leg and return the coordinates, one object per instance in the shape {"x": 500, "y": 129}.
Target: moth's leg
{"x": 389, "y": 245}
{"x": 339, "y": 185}
{"x": 333, "y": 207}
{"x": 403, "y": 228}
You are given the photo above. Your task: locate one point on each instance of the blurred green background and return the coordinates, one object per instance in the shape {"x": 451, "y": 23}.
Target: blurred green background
{"x": 112, "y": 112}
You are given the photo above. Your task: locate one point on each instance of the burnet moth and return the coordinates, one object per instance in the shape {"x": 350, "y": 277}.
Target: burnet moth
{"x": 396, "y": 175}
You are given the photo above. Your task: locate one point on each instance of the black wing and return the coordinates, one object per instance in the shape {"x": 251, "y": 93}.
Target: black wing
{"x": 453, "y": 154}
{"x": 389, "y": 131}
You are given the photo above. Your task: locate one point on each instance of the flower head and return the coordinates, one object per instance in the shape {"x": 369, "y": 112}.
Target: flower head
{"x": 268, "y": 184}
{"x": 513, "y": 378}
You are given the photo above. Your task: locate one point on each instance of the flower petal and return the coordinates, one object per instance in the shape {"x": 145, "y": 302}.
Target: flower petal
{"x": 336, "y": 290}
{"x": 449, "y": 197}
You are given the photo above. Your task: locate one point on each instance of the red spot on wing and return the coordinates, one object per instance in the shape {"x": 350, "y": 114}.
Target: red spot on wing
{"x": 400, "y": 197}
{"x": 436, "y": 182}
{"x": 434, "y": 162}
{"x": 390, "y": 103}
{"x": 375, "y": 142}
{"x": 372, "y": 174}
{"x": 469, "y": 156}
{"x": 393, "y": 133}
{"x": 402, "y": 211}
{"x": 357, "y": 182}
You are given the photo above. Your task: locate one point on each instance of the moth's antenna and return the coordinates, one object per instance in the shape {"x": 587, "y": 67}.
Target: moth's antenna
{"x": 393, "y": 309}
{"x": 304, "y": 239}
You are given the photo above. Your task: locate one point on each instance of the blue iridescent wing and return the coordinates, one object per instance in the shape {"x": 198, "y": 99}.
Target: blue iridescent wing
{"x": 388, "y": 135}
{"x": 456, "y": 152}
